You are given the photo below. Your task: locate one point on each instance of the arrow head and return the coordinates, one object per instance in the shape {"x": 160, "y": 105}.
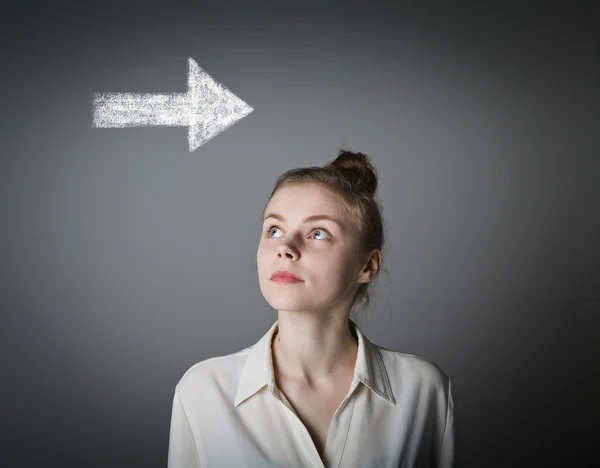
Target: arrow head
{"x": 212, "y": 107}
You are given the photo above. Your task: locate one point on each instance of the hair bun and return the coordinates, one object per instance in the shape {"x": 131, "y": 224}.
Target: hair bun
{"x": 360, "y": 165}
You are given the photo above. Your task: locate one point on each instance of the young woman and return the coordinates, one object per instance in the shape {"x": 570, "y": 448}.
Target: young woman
{"x": 314, "y": 391}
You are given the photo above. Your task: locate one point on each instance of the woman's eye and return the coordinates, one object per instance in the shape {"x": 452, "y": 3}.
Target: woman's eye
{"x": 321, "y": 230}
{"x": 270, "y": 229}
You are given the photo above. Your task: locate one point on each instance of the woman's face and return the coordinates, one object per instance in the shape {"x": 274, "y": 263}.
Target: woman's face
{"x": 321, "y": 252}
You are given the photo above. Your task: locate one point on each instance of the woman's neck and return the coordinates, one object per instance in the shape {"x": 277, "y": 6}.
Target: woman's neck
{"x": 313, "y": 350}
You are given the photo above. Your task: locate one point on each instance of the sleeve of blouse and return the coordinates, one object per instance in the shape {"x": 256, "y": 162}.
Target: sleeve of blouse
{"x": 446, "y": 459}
{"x": 182, "y": 446}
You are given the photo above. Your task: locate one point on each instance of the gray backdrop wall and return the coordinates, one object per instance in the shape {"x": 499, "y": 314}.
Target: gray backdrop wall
{"x": 126, "y": 258}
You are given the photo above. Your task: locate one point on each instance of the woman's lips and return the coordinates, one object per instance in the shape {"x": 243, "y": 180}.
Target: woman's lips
{"x": 286, "y": 280}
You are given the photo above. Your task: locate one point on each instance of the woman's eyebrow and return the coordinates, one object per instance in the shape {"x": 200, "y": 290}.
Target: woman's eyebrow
{"x": 306, "y": 220}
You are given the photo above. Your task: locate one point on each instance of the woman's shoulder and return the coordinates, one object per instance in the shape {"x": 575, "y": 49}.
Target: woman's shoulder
{"x": 418, "y": 369}
{"x": 220, "y": 370}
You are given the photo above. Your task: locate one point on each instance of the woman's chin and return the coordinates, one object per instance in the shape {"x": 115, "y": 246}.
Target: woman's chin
{"x": 288, "y": 304}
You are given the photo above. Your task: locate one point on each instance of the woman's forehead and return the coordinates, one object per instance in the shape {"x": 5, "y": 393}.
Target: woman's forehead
{"x": 305, "y": 196}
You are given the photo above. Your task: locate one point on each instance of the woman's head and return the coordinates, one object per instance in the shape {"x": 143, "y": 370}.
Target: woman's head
{"x": 337, "y": 261}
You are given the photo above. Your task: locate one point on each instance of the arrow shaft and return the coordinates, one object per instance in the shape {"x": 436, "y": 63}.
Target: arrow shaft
{"x": 117, "y": 110}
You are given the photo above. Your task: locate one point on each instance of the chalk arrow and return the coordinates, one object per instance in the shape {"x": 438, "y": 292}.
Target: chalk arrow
{"x": 207, "y": 108}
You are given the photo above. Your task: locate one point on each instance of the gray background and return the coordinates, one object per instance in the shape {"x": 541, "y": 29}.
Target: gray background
{"x": 126, "y": 259}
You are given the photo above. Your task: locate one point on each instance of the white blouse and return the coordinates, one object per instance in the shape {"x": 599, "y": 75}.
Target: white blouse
{"x": 229, "y": 413}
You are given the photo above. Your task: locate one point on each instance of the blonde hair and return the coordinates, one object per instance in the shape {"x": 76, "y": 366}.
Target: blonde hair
{"x": 353, "y": 178}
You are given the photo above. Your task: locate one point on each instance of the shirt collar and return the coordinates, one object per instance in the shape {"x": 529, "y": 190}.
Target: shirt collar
{"x": 258, "y": 367}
